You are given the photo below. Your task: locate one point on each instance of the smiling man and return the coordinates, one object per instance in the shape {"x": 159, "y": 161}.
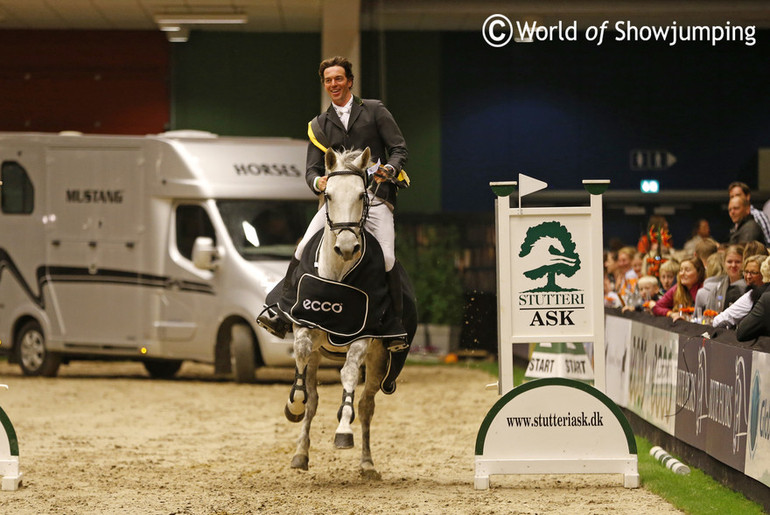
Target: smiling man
{"x": 741, "y": 190}
{"x": 745, "y": 228}
{"x": 354, "y": 123}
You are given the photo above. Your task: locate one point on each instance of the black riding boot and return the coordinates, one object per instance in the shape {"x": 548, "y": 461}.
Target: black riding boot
{"x": 396, "y": 292}
{"x": 397, "y": 311}
{"x": 398, "y": 348}
{"x": 274, "y": 324}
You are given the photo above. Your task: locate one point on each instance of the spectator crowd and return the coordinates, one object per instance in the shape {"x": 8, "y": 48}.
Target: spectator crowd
{"x": 720, "y": 282}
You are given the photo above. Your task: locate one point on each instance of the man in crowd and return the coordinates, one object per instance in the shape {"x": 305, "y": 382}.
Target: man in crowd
{"x": 745, "y": 228}
{"x": 741, "y": 190}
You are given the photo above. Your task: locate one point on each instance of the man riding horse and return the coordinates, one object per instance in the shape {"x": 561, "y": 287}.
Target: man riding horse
{"x": 354, "y": 123}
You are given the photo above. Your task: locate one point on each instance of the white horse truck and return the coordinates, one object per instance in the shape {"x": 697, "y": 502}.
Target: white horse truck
{"x": 157, "y": 248}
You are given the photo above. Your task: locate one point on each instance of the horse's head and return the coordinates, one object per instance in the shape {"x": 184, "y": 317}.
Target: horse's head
{"x": 346, "y": 199}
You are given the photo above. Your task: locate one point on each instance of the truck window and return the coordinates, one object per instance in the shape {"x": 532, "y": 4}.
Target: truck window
{"x": 192, "y": 222}
{"x": 16, "y": 192}
{"x": 266, "y": 229}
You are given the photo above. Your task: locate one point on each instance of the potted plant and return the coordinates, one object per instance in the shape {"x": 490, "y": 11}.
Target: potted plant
{"x": 430, "y": 259}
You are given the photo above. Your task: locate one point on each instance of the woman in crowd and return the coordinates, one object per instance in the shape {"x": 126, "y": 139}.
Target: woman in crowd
{"x": 728, "y": 287}
{"x": 689, "y": 281}
{"x": 741, "y": 307}
{"x": 715, "y": 271}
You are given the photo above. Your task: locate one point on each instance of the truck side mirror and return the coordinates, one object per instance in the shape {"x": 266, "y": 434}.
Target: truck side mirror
{"x": 204, "y": 253}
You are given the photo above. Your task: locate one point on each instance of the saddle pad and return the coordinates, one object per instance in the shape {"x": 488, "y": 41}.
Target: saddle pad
{"x": 337, "y": 308}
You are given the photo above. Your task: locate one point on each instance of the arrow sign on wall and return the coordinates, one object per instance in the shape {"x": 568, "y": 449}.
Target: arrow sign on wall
{"x": 651, "y": 159}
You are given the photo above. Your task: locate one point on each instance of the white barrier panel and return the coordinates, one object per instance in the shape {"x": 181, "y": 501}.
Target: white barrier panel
{"x": 9, "y": 455}
{"x": 555, "y": 426}
{"x": 758, "y": 448}
{"x": 652, "y": 374}
{"x": 722, "y": 391}
{"x": 617, "y": 336}
{"x": 550, "y": 290}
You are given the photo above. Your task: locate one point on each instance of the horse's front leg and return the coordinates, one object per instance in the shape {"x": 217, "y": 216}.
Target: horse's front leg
{"x": 376, "y": 359}
{"x": 304, "y": 395}
{"x": 343, "y": 437}
{"x": 303, "y": 348}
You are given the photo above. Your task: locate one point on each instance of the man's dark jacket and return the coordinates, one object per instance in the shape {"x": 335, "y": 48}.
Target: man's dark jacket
{"x": 370, "y": 125}
{"x": 747, "y": 230}
{"x": 757, "y": 322}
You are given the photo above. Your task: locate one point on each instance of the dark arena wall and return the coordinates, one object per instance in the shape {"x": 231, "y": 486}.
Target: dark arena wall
{"x": 565, "y": 111}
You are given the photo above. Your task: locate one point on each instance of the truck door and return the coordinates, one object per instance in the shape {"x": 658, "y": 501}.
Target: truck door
{"x": 188, "y": 307}
{"x": 94, "y": 244}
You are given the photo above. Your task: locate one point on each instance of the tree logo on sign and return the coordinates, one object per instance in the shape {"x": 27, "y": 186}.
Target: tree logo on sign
{"x": 550, "y": 245}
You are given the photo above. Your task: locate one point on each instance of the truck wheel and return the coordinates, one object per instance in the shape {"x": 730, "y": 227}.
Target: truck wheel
{"x": 162, "y": 368}
{"x": 34, "y": 357}
{"x": 242, "y": 354}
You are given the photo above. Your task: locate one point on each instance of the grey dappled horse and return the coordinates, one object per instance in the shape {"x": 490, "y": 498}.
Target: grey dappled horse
{"x": 342, "y": 240}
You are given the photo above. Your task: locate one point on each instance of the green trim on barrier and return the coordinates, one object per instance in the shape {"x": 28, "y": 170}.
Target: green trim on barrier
{"x": 503, "y": 190}
{"x": 554, "y": 381}
{"x": 596, "y": 187}
{"x": 13, "y": 443}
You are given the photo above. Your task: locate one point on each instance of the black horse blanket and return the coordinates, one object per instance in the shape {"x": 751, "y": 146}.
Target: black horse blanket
{"x": 358, "y": 306}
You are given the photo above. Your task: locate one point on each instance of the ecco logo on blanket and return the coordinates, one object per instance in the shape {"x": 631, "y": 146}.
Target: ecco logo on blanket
{"x": 317, "y": 306}
{"x": 335, "y": 307}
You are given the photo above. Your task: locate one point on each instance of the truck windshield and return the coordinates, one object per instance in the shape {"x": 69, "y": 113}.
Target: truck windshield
{"x": 266, "y": 229}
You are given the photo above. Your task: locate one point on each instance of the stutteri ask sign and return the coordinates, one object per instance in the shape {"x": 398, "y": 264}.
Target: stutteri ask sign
{"x": 551, "y": 276}
{"x": 549, "y": 270}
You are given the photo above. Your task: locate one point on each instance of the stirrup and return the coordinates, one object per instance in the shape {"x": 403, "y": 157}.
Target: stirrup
{"x": 395, "y": 344}
{"x": 394, "y": 365}
{"x": 388, "y": 387}
{"x": 275, "y": 325}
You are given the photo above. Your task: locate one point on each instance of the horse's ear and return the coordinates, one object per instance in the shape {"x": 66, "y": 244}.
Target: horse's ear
{"x": 364, "y": 158}
{"x": 330, "y": 160}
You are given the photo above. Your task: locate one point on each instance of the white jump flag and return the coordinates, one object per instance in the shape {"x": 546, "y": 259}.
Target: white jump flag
{"x": 529, "y": 185}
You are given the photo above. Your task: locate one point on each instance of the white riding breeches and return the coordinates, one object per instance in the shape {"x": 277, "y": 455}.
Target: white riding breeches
{"x": 379, "y": 223}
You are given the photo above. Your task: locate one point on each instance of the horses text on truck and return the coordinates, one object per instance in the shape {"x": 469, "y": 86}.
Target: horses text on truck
{"x": 156, "y": 248}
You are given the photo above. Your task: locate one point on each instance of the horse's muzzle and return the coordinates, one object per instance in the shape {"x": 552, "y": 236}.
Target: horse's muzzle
{"x": 347, "y": 255}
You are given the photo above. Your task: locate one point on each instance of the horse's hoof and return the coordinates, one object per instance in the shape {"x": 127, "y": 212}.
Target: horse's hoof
{"x": 370, "y": 474}
{"x": 343, "y": 440}
{"x": 291, "y": 416}
{"x": 299, "y": 461}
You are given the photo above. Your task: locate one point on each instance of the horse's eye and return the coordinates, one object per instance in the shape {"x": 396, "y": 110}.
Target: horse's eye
{"x": 362, "y": 196}
{"x": 327, "y": 197}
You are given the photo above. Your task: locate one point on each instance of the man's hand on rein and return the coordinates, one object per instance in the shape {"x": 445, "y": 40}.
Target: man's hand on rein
{"x": 384, "y": 173}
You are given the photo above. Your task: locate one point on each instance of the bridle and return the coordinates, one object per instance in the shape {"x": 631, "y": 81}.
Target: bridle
{"x": 340, "y": 227}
